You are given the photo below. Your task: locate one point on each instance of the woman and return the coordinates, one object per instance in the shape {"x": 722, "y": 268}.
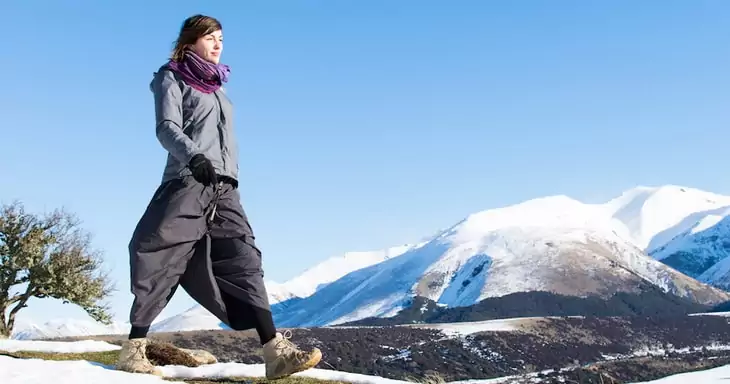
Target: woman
{"x": 194, "y": 231}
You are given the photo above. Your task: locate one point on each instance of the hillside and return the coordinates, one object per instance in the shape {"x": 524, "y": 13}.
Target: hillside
{"x": 320, "y": 275}
{"x": 702, "y": 250}
{"x": 650, "y": 301}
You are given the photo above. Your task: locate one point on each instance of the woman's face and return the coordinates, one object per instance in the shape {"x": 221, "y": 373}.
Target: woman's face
{"x": 210, "y": 46}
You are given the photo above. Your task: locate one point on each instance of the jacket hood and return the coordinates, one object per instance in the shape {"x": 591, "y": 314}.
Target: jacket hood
{"x": 163, "y": 67}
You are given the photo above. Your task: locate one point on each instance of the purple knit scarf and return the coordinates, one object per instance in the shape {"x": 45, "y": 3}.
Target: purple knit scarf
{"x": 199, "y": 73}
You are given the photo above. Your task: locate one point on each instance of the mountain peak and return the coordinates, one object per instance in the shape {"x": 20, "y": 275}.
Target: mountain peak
{"x": 651, "y": 216}
{"x": 556, "y": 211}
{"x": 652, "y": 191}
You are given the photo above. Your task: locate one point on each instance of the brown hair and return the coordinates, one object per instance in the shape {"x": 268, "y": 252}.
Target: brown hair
{"x": 193, "y": 28}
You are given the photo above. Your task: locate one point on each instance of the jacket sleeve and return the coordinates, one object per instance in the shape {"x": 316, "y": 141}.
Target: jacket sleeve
{"x": 169, "y": 118}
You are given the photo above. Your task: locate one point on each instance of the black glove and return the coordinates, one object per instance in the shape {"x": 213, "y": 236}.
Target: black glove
{"x": 203, "y": 170}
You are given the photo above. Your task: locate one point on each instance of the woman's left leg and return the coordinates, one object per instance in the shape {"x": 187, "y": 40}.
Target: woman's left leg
{"x": 238, "y": 271}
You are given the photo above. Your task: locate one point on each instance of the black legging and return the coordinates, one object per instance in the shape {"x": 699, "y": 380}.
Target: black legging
{"x": 234, "y": 254}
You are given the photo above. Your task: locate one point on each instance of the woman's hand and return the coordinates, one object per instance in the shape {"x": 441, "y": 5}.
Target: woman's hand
{"x": 203, "y": 170}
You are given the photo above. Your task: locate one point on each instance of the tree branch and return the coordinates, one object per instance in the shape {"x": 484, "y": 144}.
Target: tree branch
{"x": 14, "y": 299}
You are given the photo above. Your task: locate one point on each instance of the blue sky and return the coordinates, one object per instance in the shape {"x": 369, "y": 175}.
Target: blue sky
{"x": 364, "y": 125}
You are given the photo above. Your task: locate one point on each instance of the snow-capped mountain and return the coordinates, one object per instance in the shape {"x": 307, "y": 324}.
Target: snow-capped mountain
{"x": 195, "y": 318}
{"x": 331, "y": 269}
{"x": 278, "y": 292}
{"x": 684, "y": 228}
{"x": 652, "y": 216}
{"x": 66, "y": 328}
{"x": 320, "y": 275}
{"x": 554, "y": 243}
{"x": 702, "y": 250}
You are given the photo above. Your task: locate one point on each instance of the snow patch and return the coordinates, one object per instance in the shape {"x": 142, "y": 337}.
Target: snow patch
{"x": 717, "y": 375}
{"x": 467, "y": 328}
{"x": 223, "y": 370}
{"x": 34, "y": 371}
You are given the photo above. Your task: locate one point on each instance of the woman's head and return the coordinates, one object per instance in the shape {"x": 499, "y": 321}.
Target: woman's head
{"x": 201, "y": 34}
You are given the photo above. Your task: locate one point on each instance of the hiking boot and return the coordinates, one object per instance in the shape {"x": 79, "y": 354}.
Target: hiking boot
{"x": 201, "y": 356}
{"x": 133, "y": 358}
{"x": 283, "y": 358}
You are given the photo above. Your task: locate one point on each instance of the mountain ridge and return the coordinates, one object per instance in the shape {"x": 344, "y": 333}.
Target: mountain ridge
{"x": 607, "y": 240}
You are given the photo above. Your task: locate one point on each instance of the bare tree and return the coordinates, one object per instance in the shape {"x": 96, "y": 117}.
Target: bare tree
{"x": 48, "y": 256}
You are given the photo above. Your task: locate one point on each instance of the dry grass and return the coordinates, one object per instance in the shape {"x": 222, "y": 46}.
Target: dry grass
{"x": 168, "y": 354}
{"x": 429, "y": 378}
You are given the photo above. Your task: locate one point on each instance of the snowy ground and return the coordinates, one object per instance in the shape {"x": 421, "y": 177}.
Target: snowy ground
{"x": 710, "y": 376}
{"x": 34, "y": 371}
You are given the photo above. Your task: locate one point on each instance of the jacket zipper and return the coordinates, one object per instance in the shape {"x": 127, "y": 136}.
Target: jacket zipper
{"x": 220, "y": 131}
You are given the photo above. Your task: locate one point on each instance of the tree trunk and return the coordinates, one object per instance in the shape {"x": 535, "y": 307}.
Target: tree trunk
{"x": 18, "y": 306}
{"x": 13, "y": 312}
{"x": 4, "y": 331}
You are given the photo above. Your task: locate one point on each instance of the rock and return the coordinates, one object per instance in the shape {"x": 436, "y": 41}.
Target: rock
{"x": 201, "y": 356}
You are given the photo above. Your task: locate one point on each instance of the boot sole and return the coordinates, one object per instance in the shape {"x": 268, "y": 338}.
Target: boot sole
{"x": 155, "y": 372}
{"x": 311, "y": 363}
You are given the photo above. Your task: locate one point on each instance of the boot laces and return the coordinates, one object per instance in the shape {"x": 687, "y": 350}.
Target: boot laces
{"x": 288, "y": 346}
{"x": 137, "y": 349}
{"x": 285, "y": 339}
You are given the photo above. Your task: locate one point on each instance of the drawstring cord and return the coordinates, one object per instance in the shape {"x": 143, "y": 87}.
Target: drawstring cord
{"x": 216, "y": 197}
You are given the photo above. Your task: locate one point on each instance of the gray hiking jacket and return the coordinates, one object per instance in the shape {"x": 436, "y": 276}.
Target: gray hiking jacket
{"x": 190, "y": 122}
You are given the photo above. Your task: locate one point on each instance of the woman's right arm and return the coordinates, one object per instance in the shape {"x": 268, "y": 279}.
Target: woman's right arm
{"x": 169, "y": 118}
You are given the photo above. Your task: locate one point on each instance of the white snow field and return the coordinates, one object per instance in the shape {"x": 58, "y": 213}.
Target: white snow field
{"x": 32, "y": 371}
{"x": 711, "y": 376}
